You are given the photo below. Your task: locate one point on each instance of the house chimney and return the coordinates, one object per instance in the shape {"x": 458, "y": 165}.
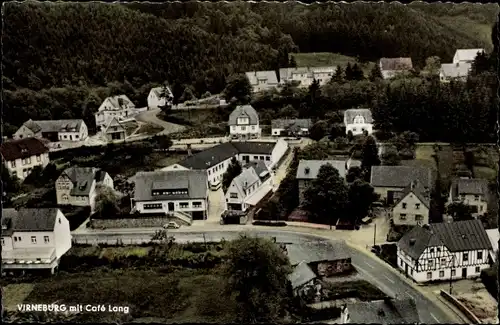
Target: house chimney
{"x": 412, "y": 241}
{"x": 307, "y": 170}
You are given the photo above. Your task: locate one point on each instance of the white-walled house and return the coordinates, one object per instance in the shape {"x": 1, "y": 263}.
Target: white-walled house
{"x": 437, "y": 251}
{"x": 21, "y": 156}
{"x": 454, "y": 71}
{"x": 387, "y": 311}
{"x": 183, "y": 192}
{"x": 466, "y": 55}
{"x": 290, "y": 127}
{"x": 215, "y": 160}
{"x": 120, "y": 107}
{"x": 244, "y": 123}
{"x": 262, "y": 80}
{"x": 412, "y": 208}
{"x": 304, "y": 76}
{"x": 358, "y": 120}
{"x": 392, "y": 67}
{"x": 77, "y": 186}
{"x": 157, "y": 98}
{"x": 472, "y": 192}
{"x": 34, "y": 239}
{"x": 114, "y": 131}
{"x": 53, "y": 130}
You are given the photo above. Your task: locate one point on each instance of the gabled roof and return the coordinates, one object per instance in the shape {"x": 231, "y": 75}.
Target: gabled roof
{"x": 457, "y": 236}
{"x": 158, "y": 91}
{"x": 195, "y": 181}
{"x": 474, "y": 186}
{"x": 317, "y": 252}
{"x": 254, "y": 147}
{"x": 22, "y": 148}
{"x": 116, "y": 124}
{"x": 269, "y": 77}
{"x": 494, "y": 237}
{"x": 309, "y": 169}
{"x": 455, "y": 70}
{"x": 51, "y": 126}
{"x": 244, "y": 111}
{"x": 467, "y": 54}
{"x": 350, "y": 114}
{"x": 284, "y": 123}
{"x": 259, "y": 166}
{"x": 395, "y": 64}
{"x": 301, "y": 275}
{"x": 82, "y": 179}
{"x": 418, "y": 190}
{"x": 247, "y": 178}
{"x": 29, "y": 220}
{"x": 388, "y": 311}
{"x": 400, "y": 176}
{"x": 115, "y": 101}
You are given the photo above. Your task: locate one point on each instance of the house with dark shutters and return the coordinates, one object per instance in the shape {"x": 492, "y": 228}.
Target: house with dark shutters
{"x": 438, "y": 251}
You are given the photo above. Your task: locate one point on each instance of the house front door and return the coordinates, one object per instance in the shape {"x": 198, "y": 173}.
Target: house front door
{"x": 406, "y": 269}
{"x": 464, "y": 272}
{"x": 171, "y": 206}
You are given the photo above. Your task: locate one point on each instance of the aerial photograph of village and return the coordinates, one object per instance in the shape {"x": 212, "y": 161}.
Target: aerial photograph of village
{"x": 237, "y": 162}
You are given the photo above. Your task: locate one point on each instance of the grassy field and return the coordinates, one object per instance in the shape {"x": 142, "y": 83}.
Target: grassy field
{"x": 149, "y": 129}
{"x": 14, "y": 294}
{"x": 460, "y": 24}
{"x": 319, "y": 59}
{"x": 130, "y": 127}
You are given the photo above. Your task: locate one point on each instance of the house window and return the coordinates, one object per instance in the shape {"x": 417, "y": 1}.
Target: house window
{"x": 243, "y": 128}
{"x": 152, "y": 206}
{"x": 411, "y": 272}
{"x": 261, "y": 157}
{"x": 3, "y": 242}
{"x": 476, "y": 197}
{"x": 76, "y": 136}
{"x": 453, "y": 272}
{"x": 33, "y": 239}
{"x": 13, "y": 163}
{"x": 196, "y": 204}
{"x": 402, "y": 216}
{"x": 480, "y": 208}
{"x": 443, "y": 261}
{"x": 438, "y": 249}
{"x": 431, "y": 250}
{"x": 268, "y": 158}
{"x": 417, "y": 206}
{"x": 255, "y": 157}
{"x": 27, "y": 161}
{"x": 404, "y": 206}
{"x": 419, "y": 217}
{"x": 429, "y": 275}
{"x": 184, "y": 205}
{"x": 431, "y": 264}
{"x": 233, "y": 195}
{"x": 441, "y": 274}
{"x": 466, "y": 257}
{"x": 353, "y": 129}
{"x": 38, "y": 158}
{"x": 401, "y": 262}
{"x": 478, "y": 269}
{"x": 209, "y": 172}
{"x": 479, "y": 255}
{"x": 253, "y": 127}
{"x": 46, "y": 239}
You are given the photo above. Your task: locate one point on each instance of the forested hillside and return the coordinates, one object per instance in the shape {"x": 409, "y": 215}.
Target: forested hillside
{"x": 61, "y": 59}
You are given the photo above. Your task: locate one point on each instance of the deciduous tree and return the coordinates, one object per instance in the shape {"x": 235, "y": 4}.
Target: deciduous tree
{"x": 361, "y": 196}
{"x": 233, "y": 170}
{"x": 460, "y": 211}
{"x": 369, "y": 155}
{"x": 106, "y": 202}
{"x": 238, "y": 87}
{"x": 318, "y": 130}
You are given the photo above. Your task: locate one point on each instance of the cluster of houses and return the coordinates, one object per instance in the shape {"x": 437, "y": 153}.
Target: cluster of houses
{"x": 460, "y": 68}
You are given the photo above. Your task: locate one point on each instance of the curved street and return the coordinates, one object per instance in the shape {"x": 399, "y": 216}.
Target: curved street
{"x": 431, "y": 311}
{"x": 150, "y": 117}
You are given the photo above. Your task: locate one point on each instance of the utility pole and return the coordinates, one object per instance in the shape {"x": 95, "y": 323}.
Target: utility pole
{"x": 451, "y": 274}
{"x": 374, "y": 233}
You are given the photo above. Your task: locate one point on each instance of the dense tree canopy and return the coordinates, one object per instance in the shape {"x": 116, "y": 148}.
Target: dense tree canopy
{"x": 233, "y": 170}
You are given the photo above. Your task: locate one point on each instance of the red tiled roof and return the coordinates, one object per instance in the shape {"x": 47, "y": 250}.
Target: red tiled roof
{"x": 23, "y": 148}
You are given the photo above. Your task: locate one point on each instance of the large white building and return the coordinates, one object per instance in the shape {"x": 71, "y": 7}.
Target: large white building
{"x": 438, "y": 251}
{"x": 466, "y": 55}
{"x": 262, "y": 80}
{"x": 53, "y": 130}
{"x": 182, "y": 193}
{"x": 454, "y": 71}
{"x": 215, "y": 161}
{"x": 120, "y": 107}
{"x": 34, "y": 239}
{"x": 157, "y": 98}
{"x": 21, "y": 156}
{"x": 304, "y": 76}
{"x": 244, "y": 123}
{"x": 358, "y": 120}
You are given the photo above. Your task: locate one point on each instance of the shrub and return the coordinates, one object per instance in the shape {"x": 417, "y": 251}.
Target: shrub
{"x": 490, "y": 281}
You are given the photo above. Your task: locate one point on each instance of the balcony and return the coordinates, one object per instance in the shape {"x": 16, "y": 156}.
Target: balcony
{"x": 29, "y": 258}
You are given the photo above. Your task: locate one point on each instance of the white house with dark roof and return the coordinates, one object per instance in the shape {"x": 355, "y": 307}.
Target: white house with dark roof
{"x": 454, "y": 71}
{"x": 244, "y": 123}
{"x": 159, "y": 97}
{"x": 114, "y": 131}
{"x": 181, "y": 193}
{"x": 358, "y": 120}
{"x": 472, "y": 192}
{"x": 77, "y": 186}
{"x": 53, "y": 130}
{"x": 466, "y": 55}
{"x": 21, "y": 156}
{"x": 304, "y": 76}
{"x": 262, "y": 80}
{"x": 391, "y": 67}
{"x": 120, "y": 107}
{"x": 290, "y": 127}
{"x": 412, "y": 208}
{"x": 387, "y": 311}
{"x": 215, "y": 160}
{"x": 437, "y": 251}
{"x": 34, "y": 239}
{"x": 390, "y": 181}
{"x": 248, "y": 188}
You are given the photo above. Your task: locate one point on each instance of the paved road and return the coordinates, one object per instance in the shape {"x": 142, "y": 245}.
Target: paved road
{"x": 369, "y": 268}
{"x": 151, "y": 118}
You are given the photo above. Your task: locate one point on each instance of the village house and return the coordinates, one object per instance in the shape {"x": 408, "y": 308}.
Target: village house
{"x": 472, "y": 192}
{"x": 437, "y": 251}
{"x": 160, "y": 97}
{"x": 358, "y": 120}
{"x": 329, "y": 259}
{"x": 308, "y": 170}
{"x": 215, "y": 160}
{"x": 305, "y": 283}
{"x": 244, "y": 123}
{"x": 494, "y": 237}
{"x": 262, "y": 80}
{"x": 248, "y": 188}
{"x": 290, "y": 127}
{"x": 466, "y": 55}
{"x": 114, "y": 131}
{"x": 388, "y": 311}
{"x": 34, "y": 239}
{"x": 304, "y": 76}
{"x": 21, "y": 156}
{"x": 77, "y": 186}
{"x": 180, "y": 193}
{"x": 53, "y": 130}
{"x": 120, "y": 107}
{"x": 454, "y": 71}
{"x": 412, "y": 208}
{"x": 391, "y": 67}
{"x": 390, "y": 181}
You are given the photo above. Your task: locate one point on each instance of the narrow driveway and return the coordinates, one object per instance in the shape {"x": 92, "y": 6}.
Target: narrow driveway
{"x": 151, "y": 118}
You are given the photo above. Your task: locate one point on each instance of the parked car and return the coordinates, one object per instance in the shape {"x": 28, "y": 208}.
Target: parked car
{"x": 171, "y": 225}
